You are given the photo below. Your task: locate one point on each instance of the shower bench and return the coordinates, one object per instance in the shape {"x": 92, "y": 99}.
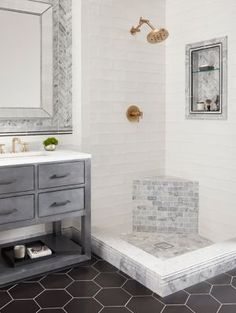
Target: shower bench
{"x": 165, "y": 205}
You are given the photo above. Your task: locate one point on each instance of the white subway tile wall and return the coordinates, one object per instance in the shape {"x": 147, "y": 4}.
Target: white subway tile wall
{"x": 204, "y": 151}
{"x": 119, "y": 70}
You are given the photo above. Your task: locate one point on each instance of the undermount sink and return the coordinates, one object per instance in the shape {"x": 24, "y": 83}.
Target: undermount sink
{"x": 23, "y": 154}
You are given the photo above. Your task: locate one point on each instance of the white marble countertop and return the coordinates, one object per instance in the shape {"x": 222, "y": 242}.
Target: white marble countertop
{"x": 33, "y": 157}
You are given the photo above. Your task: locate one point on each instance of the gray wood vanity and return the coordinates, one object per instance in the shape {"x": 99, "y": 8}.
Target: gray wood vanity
{"x": 42, "y": 189}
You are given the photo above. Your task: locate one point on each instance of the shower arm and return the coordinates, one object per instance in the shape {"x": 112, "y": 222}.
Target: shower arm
{"x": 142, "y": 21}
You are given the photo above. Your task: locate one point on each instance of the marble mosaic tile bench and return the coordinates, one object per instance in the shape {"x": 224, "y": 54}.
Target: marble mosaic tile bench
{"x": 165, "y": 205}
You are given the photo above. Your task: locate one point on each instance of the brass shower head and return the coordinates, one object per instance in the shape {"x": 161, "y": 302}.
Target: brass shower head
{"x": 155, "y": 36}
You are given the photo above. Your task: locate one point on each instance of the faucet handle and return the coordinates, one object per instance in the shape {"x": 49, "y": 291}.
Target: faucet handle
{"x": 2, "y": 148}
{"x": 25, "y": 147}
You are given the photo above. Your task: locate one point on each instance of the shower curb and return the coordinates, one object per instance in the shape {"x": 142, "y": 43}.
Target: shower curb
{"x": 164, "y": 277}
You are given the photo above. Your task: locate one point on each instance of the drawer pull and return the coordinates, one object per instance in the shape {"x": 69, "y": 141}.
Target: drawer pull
{"x": 58, "y": 204}
{"x": 59, "y": 176}
{"x": 7, "y": 182}
{"x": 6, "y": 213}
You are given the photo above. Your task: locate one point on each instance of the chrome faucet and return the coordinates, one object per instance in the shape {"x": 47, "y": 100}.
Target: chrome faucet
{"x": 15, "y": 141}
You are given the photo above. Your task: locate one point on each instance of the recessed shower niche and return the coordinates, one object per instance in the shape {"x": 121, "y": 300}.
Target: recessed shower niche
{"x": 206, "y": 78}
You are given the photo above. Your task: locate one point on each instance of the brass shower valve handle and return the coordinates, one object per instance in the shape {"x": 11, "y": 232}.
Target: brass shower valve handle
{"x": 134, "y": 113}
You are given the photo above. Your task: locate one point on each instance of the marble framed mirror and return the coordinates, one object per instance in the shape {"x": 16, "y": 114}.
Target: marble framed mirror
{"x": 36, "y": 67}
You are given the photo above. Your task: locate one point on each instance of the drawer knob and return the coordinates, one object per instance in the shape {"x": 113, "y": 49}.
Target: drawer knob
{"x": 7, "y": 182}
{"x": 55, "y": 176}
{"x": 58, "y": 204}
{"x": 6, "y": 213}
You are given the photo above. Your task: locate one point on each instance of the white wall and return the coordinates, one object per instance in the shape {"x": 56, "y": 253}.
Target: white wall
{"x": 119, "y": 70}
{"x": 202, "y": 150}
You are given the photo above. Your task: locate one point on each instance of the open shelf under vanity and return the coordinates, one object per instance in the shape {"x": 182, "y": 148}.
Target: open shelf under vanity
{"x": 67, "y": 253}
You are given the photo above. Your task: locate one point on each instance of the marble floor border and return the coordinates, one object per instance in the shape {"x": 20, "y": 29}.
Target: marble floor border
{"x": 164, "y": 277}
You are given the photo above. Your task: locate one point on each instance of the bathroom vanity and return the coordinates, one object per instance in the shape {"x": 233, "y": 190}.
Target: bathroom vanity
{"x": 40, "y": 188}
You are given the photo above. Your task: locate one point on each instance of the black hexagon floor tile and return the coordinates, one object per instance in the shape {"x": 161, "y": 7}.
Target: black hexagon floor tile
{"x": 56, "y": 281}
{"x": 110, "y": 280}
{"x": 222, "y": 279}
{"x": 145, "y": 304}
{"x": 4, "y": 298}
{"x": 179, "y": 297}
{"x": 51, "y": 311}
{"x": 177, "y": 309}
{"x": 103, "y": 266}
{"x": 83, "y": 273}
{"x": 200, "y": 288}
{"x": 115, "y": 310}
{"x": 125, "y": 275}
{"x": 136, "y": 289}
{"x": 81, "y": 289}
{"x": 113, "y": 297}
{"x": 234, "y": 282}
{"x": 232, "y": 272}
{"x": 26, "y": 306}
{"x": 53, "y": 298}
{"x": 230, "y": 308}
{"x": 98, "y": 287}
{"x": 203, "y": 303}
{"x": 26, "y": 290}
{"x": 224, "y": 294}
{"x": 83, "y": 305}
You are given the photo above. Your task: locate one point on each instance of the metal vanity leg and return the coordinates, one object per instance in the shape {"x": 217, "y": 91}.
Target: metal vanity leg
{"x": 86, "y": 234}
{"x": 56, "y": 226}
{"x": 86, "y": 219}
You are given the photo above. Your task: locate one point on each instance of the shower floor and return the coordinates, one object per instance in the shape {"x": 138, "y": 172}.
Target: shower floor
{"x": 165, "y": 246}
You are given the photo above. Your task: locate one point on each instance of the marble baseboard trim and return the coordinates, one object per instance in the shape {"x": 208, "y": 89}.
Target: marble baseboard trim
{"x": 165, "y": 277}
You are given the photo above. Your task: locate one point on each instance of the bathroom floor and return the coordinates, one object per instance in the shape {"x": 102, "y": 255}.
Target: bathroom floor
{"x": 166, "y": 246}
{"x": 98, "y": 287}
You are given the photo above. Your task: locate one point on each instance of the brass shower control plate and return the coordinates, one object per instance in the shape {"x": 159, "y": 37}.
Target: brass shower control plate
{"x": 134, "y": 113}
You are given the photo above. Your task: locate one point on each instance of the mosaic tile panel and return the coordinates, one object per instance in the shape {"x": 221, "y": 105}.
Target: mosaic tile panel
{"x": 165, "y": 205}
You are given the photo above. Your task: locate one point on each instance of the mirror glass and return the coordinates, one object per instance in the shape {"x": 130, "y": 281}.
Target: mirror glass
{"x": 26, "y": 60}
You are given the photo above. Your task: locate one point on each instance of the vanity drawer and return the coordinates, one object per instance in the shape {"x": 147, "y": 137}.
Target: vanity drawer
{"x": 16, "y": 179}
{"x": 60, "y": 202}
{"x": 16, "y": 209}
{"x": 61, "y": 174}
